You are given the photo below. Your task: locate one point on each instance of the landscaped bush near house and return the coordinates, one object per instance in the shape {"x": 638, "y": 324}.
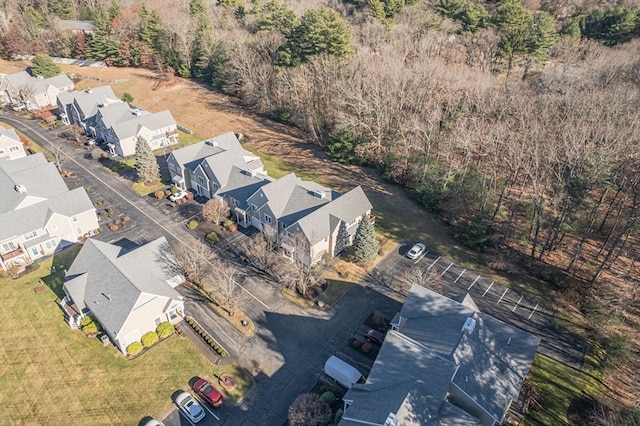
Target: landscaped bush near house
{"x": 212, "y": 237}
{"x": 159, "y": 194}
{"x": 230, "y": 225}
{"x": 328, "y": 398}
{"x": 165, "y": 329}
{"x": 135, "y": 348}
{"x": 88, "y": 326}
{"x": 174, "y": 189}
{"x": 192, "y": 224}
{"x": 150, "y": 338}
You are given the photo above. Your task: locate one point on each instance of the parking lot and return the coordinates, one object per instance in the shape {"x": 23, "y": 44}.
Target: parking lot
{"x": 491, "y": 297}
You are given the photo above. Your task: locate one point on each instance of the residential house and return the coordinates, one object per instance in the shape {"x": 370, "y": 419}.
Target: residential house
{"x": 120, "y": 126}
{"x": 38, "y": 213}
{"x": 22, "y": 90}
{"x": 10, "y": 144}
{"x": 127, "y": 300}
{"x": 81, "y": 107}
{"x": 208, "y": 166}
{"x": 325, "y": 219}
{"x": 443, "y": 363}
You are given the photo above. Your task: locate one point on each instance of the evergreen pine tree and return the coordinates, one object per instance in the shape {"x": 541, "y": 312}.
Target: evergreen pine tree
{"x": 146, "y": 164}
{"x": 365, "y": 246}
{"x": 43, "y": 65}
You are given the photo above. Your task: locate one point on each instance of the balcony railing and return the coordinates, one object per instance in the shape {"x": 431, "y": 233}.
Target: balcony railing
{"x": 12, "y": 254}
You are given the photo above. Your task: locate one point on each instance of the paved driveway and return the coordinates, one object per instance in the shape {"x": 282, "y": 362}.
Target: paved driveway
{"x": 287, "y": 354}
{"x": 491, "y": 297}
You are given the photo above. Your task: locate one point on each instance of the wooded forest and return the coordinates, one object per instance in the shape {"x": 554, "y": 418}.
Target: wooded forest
{"x": 515, "y": 121}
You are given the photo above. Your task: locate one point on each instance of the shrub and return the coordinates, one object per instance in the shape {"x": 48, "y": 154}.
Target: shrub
{"x": 618, "y": 348}
{"x": 328, "y": 398}
{"x": 164, "y": 329}
{"x": 192, "y": 224}
{"x": 173, "y": 189}
{"x": 135, "y": 348}
{"x": 90, "y": 328}
{"x": 366, "y": 348}
{"x": 338, "y": 416}
{"x": 356, "y": 343}
{"x": 167, "y": 192}
{"x": 159, "y": 194}
{"x": 212, "y": 237}
{"x": 150, "y": 338}
{"x": 227, "y": 223}
{"x": 86, "y": 321}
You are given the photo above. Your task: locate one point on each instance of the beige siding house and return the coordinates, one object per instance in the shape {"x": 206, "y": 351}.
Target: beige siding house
{"x": 10, "y": 145}
{"x": 107, "y": 282}
{"x": 38, "y": 213}
{"x": 21, "y": 90}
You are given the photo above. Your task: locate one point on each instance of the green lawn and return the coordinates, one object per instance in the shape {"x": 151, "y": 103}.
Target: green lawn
{"x": 558, "y": 386}
{"x": 51, "y": 374}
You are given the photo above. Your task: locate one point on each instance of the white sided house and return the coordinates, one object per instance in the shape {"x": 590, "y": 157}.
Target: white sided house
{"x": 120, "y": 126}
{"x": 23, "y": 91}
{"x": 81, "y": 107}
{"x": 10, "y": 145}
{"x": 128, "y": 292}
{"x": 38, "y": 213}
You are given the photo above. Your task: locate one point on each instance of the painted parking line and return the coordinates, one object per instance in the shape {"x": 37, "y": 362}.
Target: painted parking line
{"x": 185, "y": 416}
{"x": 445, "y": 271}
{"x": 421, "y": 257}
{"x": 485, "y": 292}
{"x": 461, "y": 273}
{"x": 517, "y": 304}
{"x": 474, "y": 281}
{"x": 434, "y": 262}
{"x": 505, "y": 292}
{"x": 534, "y": 309}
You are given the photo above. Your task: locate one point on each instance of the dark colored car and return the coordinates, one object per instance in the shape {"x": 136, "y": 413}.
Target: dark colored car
{"x": 206, "y": 391}
{"x": 374, "y": 336}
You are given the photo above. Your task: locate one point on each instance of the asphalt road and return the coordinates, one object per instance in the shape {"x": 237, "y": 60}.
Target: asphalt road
{"x": 490, "y": 297}
{"x": 287, "y": 354}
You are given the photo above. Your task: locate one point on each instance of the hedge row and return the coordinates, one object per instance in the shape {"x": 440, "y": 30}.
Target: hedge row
{"x": 207, "y": 338}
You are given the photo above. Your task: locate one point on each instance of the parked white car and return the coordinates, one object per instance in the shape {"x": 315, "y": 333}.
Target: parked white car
{"x": 189, "y": 407}
{"x": 177, "y": 196}
{"x": 416, "y": 251}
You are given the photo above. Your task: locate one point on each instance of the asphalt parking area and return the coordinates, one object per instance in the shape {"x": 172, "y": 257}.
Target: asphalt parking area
{"x": 491, "y": 297}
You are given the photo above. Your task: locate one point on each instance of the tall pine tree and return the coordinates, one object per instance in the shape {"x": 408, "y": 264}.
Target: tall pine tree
{"x": 365, "y": 245}
{"x": 146, "y": 164}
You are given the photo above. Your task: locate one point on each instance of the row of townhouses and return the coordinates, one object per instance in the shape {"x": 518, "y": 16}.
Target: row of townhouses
{"x": 98, "y": 111}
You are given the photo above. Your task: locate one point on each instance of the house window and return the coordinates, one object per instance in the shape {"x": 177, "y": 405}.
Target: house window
{"x": 8, "y": 247}
{"x": 254, "y": 207}
{"x": 79, "y": 231}
{"x": 267, "y": 218}
{"x": 1, "y": 151}
{"x": 234, "y": 202}
{"x": 134, "y": 336}
{"x": 200, "y": 180}
{"x": 14, "y": 148}
{"x": 35, "y": 252}
{"x": 215, "y": 186}
{"x": 74, "y": 218}
{"x": 30, "y": 235}
{"x": 51, "y": 244}
{"x": 158, "y": 321}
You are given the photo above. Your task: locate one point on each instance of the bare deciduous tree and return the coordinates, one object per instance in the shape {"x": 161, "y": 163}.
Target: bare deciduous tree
{"x": 427, "y": 278}
{"x": 260, "y": 250}
{"x": 225, "y": 280}
{"x": 214, "y": 210}
{"x": 308, "y": 410}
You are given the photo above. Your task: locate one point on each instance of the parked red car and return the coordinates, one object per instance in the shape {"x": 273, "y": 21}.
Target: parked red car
{"x": 206, "y": 391}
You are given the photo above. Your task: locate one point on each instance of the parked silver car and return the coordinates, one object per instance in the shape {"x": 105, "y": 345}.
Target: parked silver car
{"x": 190, "y": 407}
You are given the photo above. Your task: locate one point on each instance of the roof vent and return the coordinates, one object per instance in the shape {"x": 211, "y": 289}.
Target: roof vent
{"x": 469, "y": 325}
{"x": 211, "y": 142}
{"x": 20, "y": 189}
{"x": 318, "y": 193}
{"x": 100, "y": 105}
{"x": 88, "y": 91}
{"x": 108, "y": 296}
{"x": 137, "y": 112}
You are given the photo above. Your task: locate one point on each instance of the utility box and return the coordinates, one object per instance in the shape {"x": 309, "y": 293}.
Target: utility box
{"x": 105, "y": 340}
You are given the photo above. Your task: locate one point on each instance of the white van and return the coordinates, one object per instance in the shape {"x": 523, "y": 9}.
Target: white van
{"x": 342, "y": 372}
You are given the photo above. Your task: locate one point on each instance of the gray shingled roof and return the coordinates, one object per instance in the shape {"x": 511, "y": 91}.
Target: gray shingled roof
{"x": 46, "y": 193}
{"x": 87, "y": 101}
{"x": 111, "y": 114}
{"x": 109, "y": 280}
{"x": 407, "y": 380}
{"x": 322, "y": 222}
{"x": 129, "y": 126}
{"x": 39, "y": 85}
{"x": 241, "y": 185}
{"x": 9, "y": 133}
